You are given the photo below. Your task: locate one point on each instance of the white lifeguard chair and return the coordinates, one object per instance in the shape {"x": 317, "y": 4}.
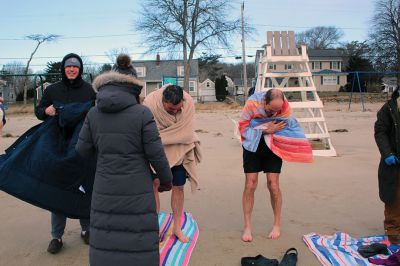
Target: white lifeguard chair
{"x": 285, "y": 66}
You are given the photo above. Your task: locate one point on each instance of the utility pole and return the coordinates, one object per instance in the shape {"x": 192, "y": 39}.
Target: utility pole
{"x": 244, "y": 57}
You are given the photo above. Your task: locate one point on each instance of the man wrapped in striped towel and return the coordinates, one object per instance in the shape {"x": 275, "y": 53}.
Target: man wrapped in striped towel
{"x": 269, "y": 134}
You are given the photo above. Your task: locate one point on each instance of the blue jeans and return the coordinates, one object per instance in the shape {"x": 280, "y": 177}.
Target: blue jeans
{"x": 58, "y": 222}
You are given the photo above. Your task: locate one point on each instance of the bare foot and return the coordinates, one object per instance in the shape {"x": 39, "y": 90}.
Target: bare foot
{"x": 247, "y": 237}
{"x": 275, "y": 233}
{"x": 179, "y": 234}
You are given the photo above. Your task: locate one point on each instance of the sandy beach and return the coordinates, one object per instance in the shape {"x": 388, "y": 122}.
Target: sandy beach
{"x": 332, "y": 194}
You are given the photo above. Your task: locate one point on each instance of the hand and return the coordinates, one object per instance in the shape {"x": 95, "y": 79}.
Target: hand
{"x": 391, "y": 160}
{"x": 50, "y": 111}
{"x": 274, "y": 127}
{"x": 165, "y": 187}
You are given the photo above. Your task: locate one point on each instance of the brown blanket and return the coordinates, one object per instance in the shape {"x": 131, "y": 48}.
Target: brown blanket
{"x": 181, "y": 143}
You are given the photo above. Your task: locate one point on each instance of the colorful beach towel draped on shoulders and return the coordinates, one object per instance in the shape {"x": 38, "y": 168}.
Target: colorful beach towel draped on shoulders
{"x": 290, "y": 144}
{"x": 181, "y": 143}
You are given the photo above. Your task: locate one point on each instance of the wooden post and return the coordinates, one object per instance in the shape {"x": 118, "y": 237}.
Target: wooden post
{"x": 244, "y": 58}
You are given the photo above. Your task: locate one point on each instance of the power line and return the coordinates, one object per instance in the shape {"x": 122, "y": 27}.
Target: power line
{"x": 100, "y": 64}
{"x": 105, "y": 55}
{"x": 76, "y": 37}
{"x": 304, "y": 27}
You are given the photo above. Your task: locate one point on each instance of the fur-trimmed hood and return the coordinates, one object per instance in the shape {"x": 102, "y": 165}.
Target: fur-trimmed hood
{"x": 115, "y": 77}
{"x": 116, "y": 91}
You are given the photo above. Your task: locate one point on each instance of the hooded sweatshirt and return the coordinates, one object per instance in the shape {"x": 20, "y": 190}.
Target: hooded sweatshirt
{"x": 65, "y": 91}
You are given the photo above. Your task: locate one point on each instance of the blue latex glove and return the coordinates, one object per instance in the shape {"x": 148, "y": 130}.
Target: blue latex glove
{"x": 391, "y": 160}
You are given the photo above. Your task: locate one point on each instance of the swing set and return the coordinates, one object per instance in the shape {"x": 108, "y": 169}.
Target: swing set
{"x": 356, "y": 78}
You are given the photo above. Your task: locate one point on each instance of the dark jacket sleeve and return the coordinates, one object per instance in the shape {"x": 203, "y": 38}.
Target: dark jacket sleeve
{"x": 85, "y": 146}
{"x": 383, "y": 126}
{"x": 43, "y": 104}
{"x": 154, "y": 149}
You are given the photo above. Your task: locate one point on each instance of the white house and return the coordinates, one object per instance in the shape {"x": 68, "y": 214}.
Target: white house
{"x": 389, "y": 84}
{"x": 7, "y": 92}
{"x": 207, "y": 91}
{"x": 39, "y": 91}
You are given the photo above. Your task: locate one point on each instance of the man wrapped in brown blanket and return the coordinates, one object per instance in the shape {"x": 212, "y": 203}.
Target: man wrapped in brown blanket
{"x": 174, "y": 111}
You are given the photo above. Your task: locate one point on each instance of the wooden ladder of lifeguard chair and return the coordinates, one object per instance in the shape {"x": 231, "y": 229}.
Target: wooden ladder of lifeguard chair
{"x": 285, "y": 66}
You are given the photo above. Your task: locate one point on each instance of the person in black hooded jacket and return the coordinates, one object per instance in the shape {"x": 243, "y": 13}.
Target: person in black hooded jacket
{"x": 387, "y": 137}
{"x": 71, "y": 89}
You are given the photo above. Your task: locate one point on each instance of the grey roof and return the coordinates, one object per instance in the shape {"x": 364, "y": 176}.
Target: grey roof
{"x": 325, "y": 54}
{"x": 390, "y": 81}
{"x": 259, "y": 53}
{"x": 315, "y": 54}
{"x": 167, "y": 68}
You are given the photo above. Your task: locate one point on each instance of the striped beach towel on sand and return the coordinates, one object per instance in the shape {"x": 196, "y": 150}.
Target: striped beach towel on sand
{"x": 172, "y": 251}
{"x": 340, "y": 249}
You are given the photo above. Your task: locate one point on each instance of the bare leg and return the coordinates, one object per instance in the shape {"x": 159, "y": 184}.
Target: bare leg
{"x": 177, "y": 199}
{"x": 276, "y": 203}
{"x": 248, "y": 203}
{"x": 156, "y": 184}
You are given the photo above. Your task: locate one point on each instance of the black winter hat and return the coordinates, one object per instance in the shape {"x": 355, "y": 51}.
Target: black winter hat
{"x": 124, "y": 65}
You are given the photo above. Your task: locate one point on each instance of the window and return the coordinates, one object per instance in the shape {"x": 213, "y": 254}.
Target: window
{"x": 180, "y": 71}
{"x": 335, "y": 65}
{"x": 316, "y": 65}
{"x": 192, "y": 86}
{"x": 268, "y": 83}
{"x": 141, "y": 72}
{"x": 208, "y": 84}
{"x": 288, "y": 66}
{"x": 329, "y": 80}
{"x": 272, "y": 66}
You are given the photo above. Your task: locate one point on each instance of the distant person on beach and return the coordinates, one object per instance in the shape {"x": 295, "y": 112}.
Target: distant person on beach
{"x": 71, "y": 89}
{"x": 2, "y": 115}
{"x": 387, "y": 137}
{"x": 123, "y": 136}
{"x": 258, "y": 157}
{"x": 174, "y": 111}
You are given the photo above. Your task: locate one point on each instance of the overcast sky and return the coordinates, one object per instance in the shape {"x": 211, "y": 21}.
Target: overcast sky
{"x": 91, "y": 28}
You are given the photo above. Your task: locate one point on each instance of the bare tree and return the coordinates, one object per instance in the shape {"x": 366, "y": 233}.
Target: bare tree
{"x": 39, "y": 38}
{"x": 16, "y": 82}
{"x": 112, "y": 54}
{"x": 385, "y": 35}
{"x": 91, "y": 69}
{"x": 320, "y": 37}
{"x": 186, "y": 25}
